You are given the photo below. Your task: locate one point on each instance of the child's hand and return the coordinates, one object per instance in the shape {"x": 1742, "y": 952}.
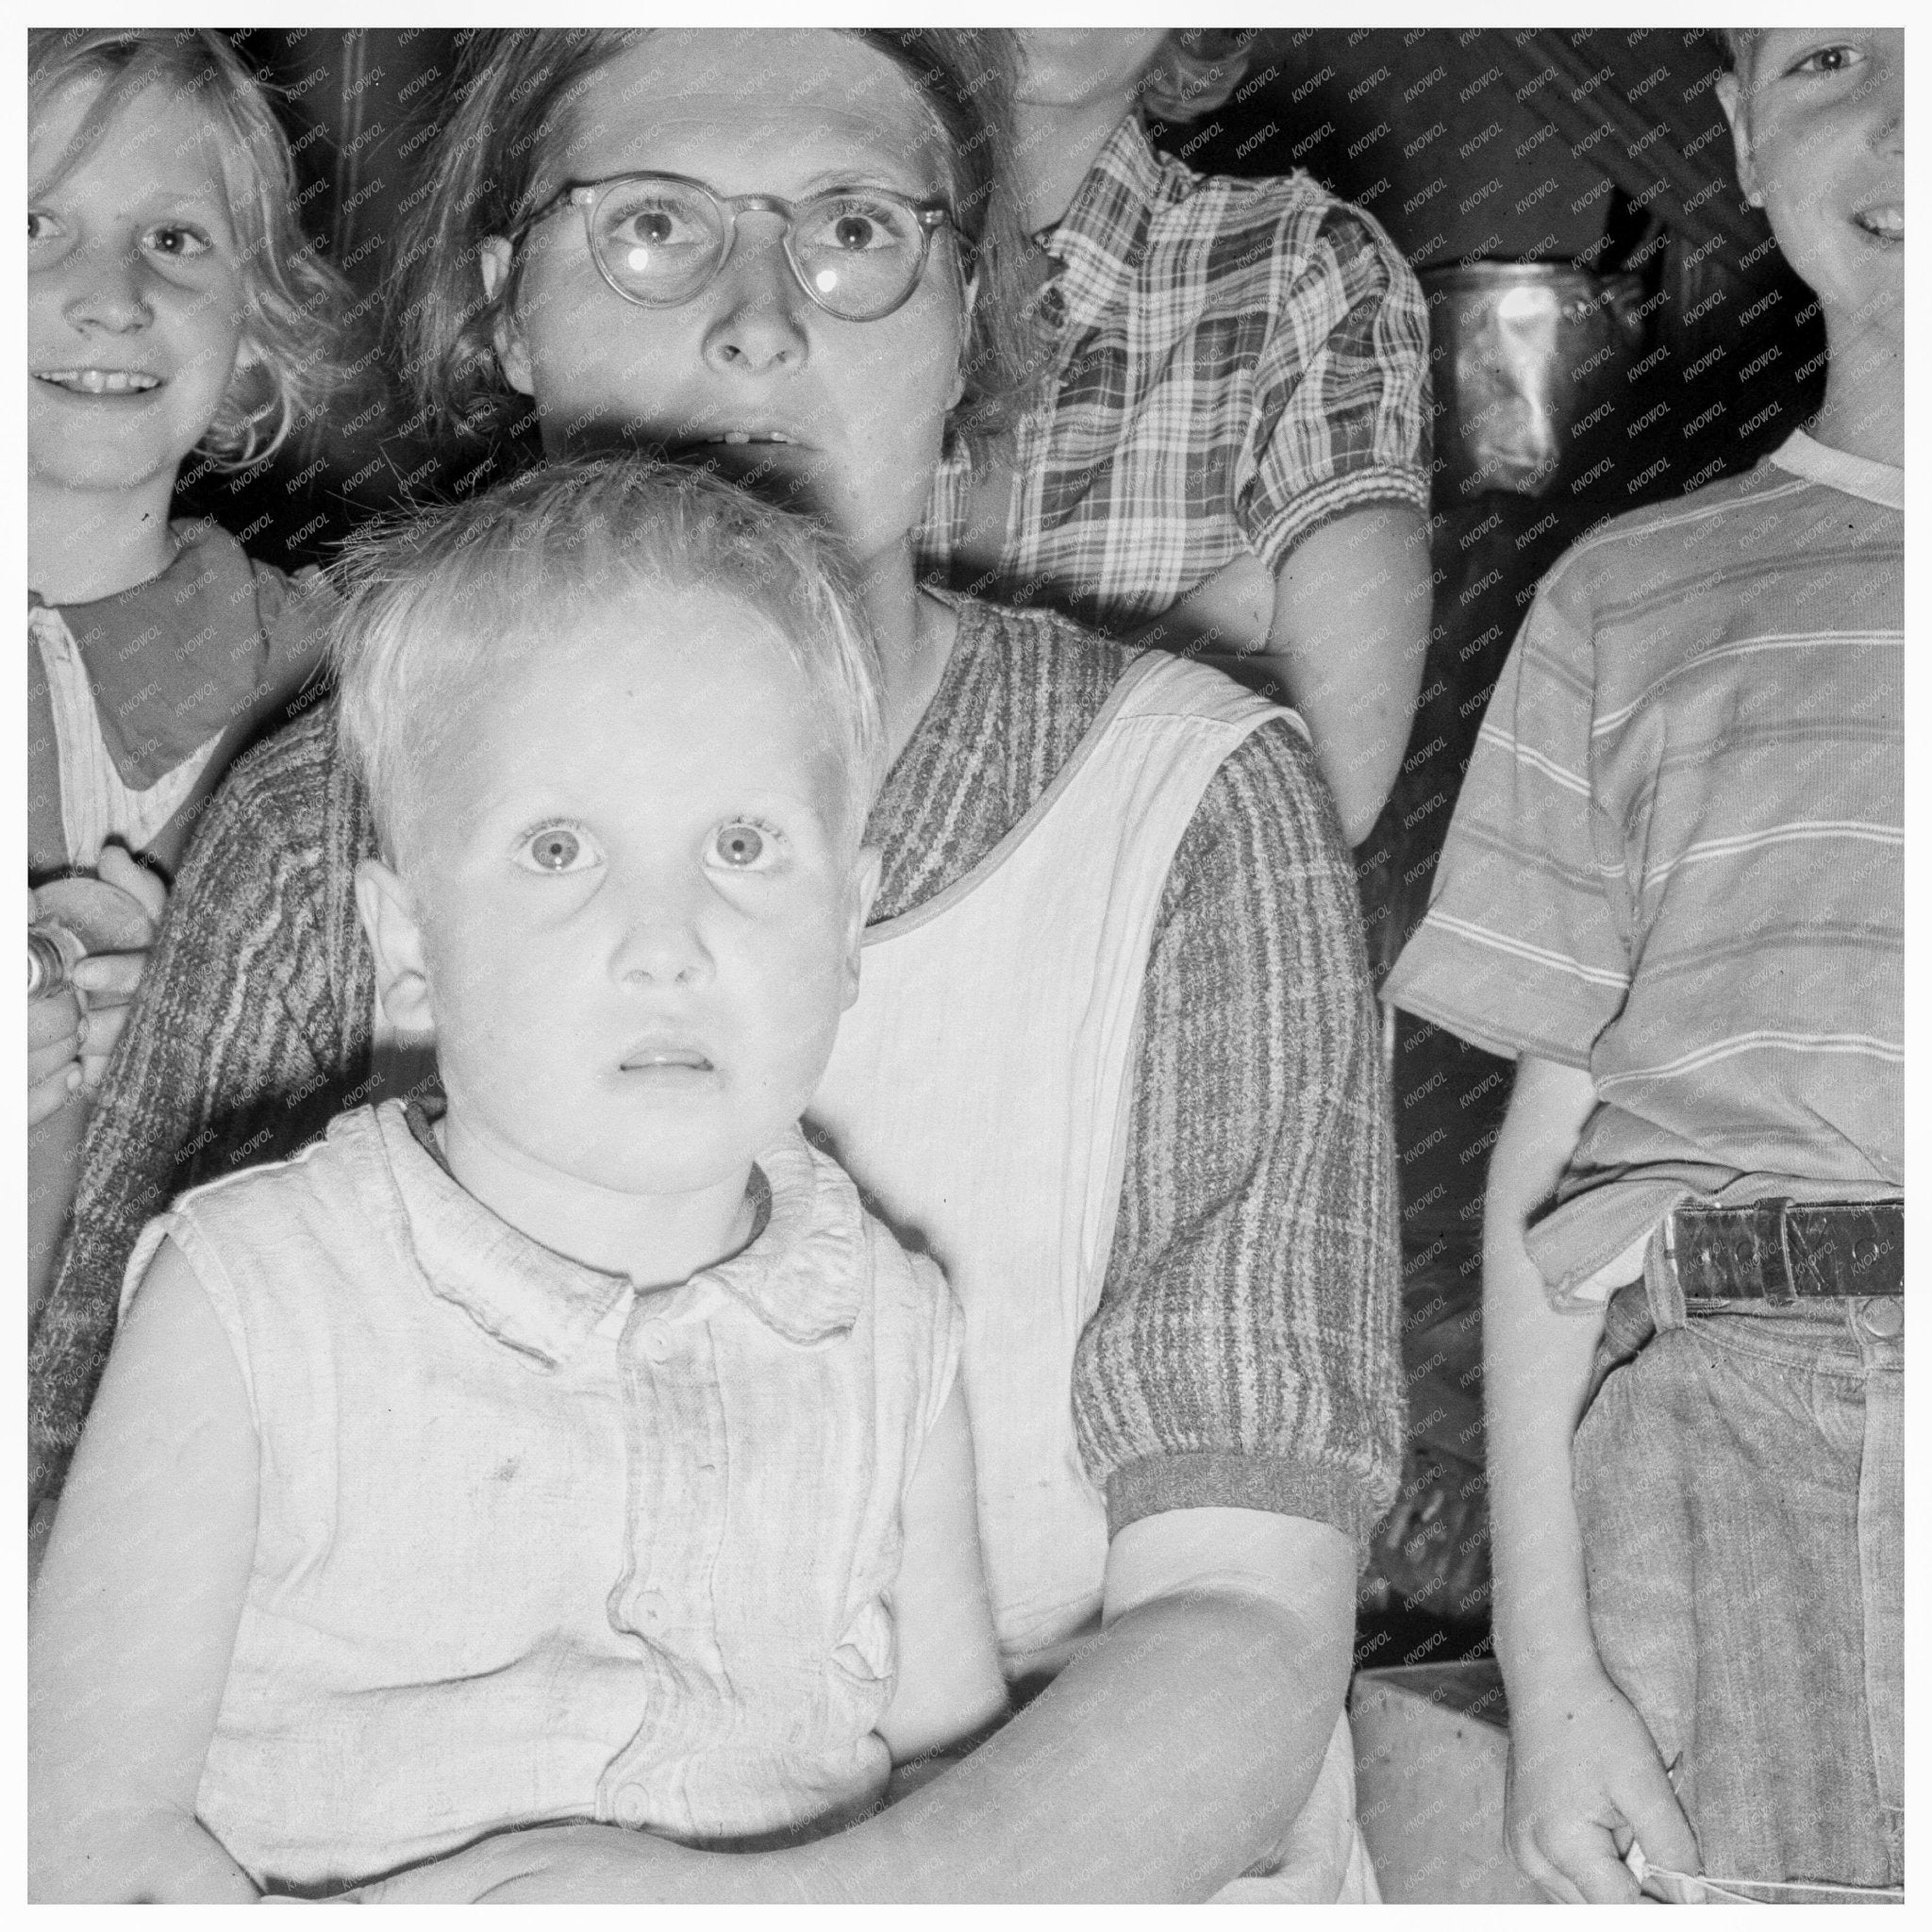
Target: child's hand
{"x": 1584, "y": 1778}
{"x": 55, "y": 1031}
{"x": 55, "y": 1028}
{"x": 106, "y": 979}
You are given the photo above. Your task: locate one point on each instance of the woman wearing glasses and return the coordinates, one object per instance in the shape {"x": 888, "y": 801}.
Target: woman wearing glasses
{"x": 1113, "y": 1057}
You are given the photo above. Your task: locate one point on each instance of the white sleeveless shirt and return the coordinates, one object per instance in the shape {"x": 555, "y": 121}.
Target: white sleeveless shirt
{"x": 534, "y": 1548}
{"x": 979, "y": 1095}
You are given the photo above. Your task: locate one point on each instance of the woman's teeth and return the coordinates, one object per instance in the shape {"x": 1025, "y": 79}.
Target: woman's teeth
{"x": 1887, "y": 222}
{"x": 746, "y": 436}
{"x": 101, "y": 382}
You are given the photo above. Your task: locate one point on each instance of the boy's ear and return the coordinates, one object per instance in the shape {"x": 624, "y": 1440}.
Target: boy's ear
{"x": 493, "y": 257}
{"x": 865, "y": 886}
{"x": 1730, "y": 94}
{"x": 390, "y": 920}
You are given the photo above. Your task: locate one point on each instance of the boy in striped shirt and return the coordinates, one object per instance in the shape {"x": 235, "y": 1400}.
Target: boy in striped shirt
{"x": 1672, "y": 892}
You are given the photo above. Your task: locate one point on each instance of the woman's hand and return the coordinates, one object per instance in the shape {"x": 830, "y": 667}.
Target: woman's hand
{"x": 562, "y": 1864}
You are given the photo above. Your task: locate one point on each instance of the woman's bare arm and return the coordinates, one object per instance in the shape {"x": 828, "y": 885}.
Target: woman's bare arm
{"x": 1343, "y": 630}
{"x": 1172, "y": 1753}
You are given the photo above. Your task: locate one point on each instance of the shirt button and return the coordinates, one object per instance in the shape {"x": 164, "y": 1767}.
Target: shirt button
{"x": 657, "y": 1344}
{"x": 651, "y": 1609}
{"x": 633, "y": 1807}
{"x": 1883, "y": 1316}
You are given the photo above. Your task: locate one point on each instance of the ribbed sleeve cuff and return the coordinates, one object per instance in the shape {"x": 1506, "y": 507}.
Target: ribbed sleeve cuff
{"x": 1215, "y": 1479}
{"x": 1404, "y": 485}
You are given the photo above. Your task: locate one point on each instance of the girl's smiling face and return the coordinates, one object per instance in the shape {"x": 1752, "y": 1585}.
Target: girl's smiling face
{"x": 1818, "y": 117}
{"x": 853, "y": 414}
{"x": 135, "y": 294}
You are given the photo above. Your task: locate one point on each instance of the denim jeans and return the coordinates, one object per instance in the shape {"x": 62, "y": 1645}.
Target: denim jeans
{"x": 1739, "y": 1480}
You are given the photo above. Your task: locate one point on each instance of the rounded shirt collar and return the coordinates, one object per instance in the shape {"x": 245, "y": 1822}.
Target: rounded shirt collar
{"x": 802, "y": 1274}
{"x": 1101, "y": 240}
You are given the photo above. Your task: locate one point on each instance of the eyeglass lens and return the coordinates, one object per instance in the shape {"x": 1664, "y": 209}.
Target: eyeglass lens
{"x": 661, "y": 242}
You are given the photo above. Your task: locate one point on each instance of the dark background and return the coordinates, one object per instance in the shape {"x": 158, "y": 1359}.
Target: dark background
{"x": 1604, "y": 149}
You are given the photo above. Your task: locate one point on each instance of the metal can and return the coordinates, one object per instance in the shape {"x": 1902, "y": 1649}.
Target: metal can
{"x": 1529, "y": 356}
{"x": 52, "y": 954}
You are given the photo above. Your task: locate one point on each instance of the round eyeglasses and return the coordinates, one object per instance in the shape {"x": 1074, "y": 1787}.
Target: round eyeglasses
{"x": 661, "y": 240}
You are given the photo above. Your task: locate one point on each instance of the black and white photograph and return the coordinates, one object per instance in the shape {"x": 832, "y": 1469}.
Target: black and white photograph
{"x": 965, "y": 964}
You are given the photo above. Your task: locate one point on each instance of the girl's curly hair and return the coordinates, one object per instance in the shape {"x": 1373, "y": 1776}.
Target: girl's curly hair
{"x": 294, "y": 297}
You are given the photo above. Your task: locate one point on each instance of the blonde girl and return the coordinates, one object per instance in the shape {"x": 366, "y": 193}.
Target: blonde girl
{"x": 172, "y": 306}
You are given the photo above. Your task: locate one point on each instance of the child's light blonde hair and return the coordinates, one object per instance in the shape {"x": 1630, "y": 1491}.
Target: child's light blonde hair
{"x": 294, "y": 296}
{"x": 431, "y": 599}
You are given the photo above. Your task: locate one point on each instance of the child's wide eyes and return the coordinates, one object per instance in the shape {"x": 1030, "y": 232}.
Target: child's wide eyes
{"x": 177, "y": 241}
{"x": 558, "y": 849}
{"x": 40, "y": 226}
{"x": 743, "y": 846}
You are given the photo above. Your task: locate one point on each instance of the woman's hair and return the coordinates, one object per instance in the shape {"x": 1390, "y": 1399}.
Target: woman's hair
{"x": 433, "y": 602}
{"x": 513, "y": 96}
{"x": 1197, "y": 69}
{"x": 294, "y": 297}
{"x": 1733, "y": 43}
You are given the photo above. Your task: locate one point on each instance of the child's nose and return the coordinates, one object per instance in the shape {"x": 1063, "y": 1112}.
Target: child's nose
{"x": 758, "y": 323}
{"x": 661, "y": 944}
{"x": 109, "y": 291}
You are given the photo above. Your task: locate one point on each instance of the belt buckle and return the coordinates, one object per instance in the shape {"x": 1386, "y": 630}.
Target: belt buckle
{"x": 1782, "y": 1293}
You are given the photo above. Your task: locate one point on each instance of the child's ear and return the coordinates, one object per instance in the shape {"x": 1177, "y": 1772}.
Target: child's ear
{"x": 865, "y": 886}
{"x": 1730, "y": 94}
{"x": 390, "y": 923}
{"x": 494, "y": 258}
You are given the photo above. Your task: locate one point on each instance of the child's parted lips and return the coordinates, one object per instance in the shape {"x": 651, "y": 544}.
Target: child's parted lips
{"x": 1887, "y": 221}
{"x": 101, "y": 382}
{"x": 658, "y": 1054}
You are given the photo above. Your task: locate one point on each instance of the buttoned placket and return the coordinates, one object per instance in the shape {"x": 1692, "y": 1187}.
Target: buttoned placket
{"x": 674, "y": 1446}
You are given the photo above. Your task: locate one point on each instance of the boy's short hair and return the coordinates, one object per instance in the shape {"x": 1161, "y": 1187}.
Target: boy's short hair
{"x": 1194, "y": 70}
{"x": 428, "y": 599}
{"x": 296, "y": 298}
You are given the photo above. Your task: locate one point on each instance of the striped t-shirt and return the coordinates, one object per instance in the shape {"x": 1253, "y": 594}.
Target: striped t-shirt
{"x": 1676, "y": 860}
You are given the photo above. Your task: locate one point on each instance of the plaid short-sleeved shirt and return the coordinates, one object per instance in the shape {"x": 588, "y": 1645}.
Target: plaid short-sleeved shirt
{"x": 1237, "y": 363}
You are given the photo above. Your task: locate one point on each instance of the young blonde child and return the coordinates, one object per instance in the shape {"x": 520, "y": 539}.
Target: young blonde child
{"x": 1673, "y": 891}
{"x": 172, "y": 306}
{"x": 587, "y": 1452}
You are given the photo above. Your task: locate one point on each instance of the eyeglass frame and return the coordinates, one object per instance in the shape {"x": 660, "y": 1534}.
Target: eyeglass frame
{"x": 929, "y": 215}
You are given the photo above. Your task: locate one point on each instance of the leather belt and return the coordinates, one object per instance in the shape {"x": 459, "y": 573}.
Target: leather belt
{"x": 1783, "y": 1251}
